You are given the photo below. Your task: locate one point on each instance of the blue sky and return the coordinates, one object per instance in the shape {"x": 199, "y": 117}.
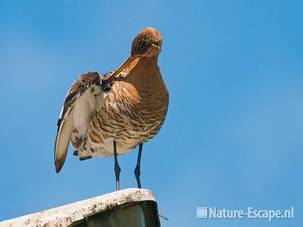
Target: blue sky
{"x": 233, "y": 134}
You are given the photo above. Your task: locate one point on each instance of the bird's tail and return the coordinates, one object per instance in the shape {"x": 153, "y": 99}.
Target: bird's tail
{"x": 61, "y": 144}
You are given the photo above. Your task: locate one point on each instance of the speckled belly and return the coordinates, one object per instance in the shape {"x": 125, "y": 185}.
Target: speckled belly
{"x": 128, "y": 117}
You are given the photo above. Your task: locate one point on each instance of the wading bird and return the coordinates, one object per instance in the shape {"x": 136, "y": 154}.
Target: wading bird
{"x": 110, "y": 114}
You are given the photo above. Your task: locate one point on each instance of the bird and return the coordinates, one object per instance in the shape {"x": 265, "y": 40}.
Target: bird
{"x": 113, "y": 113}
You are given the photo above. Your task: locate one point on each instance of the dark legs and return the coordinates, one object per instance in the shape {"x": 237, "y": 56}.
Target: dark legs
{"x": 117, "y": 167}
{"x": 137, "y": 169}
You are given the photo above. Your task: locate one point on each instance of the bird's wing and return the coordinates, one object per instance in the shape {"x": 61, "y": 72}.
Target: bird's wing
{"x": 85, "y": 103}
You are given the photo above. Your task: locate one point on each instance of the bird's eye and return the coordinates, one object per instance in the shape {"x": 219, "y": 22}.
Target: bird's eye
{"x": 157, "y": 43}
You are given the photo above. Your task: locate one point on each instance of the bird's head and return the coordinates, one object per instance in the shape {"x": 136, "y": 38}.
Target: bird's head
{"x": 147, "y": 43}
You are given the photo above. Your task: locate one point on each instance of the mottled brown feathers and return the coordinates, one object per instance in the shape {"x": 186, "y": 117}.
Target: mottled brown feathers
{"x": 134, "y": 108}
{"x": 78, "y": 87}
{"x": 145, "y": 40}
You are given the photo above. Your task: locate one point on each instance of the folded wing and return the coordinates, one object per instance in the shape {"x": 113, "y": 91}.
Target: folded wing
{"x": 83, "y": 99}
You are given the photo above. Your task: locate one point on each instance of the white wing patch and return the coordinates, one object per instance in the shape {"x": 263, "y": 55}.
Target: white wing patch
{"x": 81, "y": 103}
{"x": 85, "y": 108}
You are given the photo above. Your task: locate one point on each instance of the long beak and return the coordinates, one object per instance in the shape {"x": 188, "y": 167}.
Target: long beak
{"x": 121, "y": 67}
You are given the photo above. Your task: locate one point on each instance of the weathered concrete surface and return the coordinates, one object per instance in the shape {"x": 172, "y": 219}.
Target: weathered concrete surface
{"x": 67, "y": 214}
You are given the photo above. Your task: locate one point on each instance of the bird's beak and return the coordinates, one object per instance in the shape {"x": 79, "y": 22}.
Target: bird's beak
{"x": 126, "y": 63}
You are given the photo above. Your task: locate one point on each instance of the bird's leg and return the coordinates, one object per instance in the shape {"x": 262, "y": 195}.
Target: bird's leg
{"x": 117, "y": 167}
{"x": 137, "y": 169}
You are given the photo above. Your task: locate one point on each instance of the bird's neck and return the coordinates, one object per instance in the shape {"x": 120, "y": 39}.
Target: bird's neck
{"x": 149, "y": 62}
{"x": 144, "y": 68}
{"x": 144, "y": 74}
